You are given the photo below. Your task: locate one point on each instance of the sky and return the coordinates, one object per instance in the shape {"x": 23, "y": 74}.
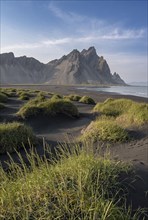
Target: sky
{"x": 47, "y": 30}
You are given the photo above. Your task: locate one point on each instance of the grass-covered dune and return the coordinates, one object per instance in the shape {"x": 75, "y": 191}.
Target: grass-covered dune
{"x": 77, "y": 186}
{"x": 105, "y": 129}
{"x": 87, "y": 100}
{"x": 10, "y": 92}
{"x": 50, "y": 107}
{"x": 73, "y": 97}
{"x": 117, "y": 115}
{"x": 24, "y": 95}
{"x": 125, "y": 111}
{"x": 3, "y": 97}
{"x": 13, "y": 136}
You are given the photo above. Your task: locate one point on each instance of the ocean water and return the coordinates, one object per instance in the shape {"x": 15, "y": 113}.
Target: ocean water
{"x": 141, "y": 91}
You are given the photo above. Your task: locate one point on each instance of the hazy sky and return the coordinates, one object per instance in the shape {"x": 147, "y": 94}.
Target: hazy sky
{"x": 47, "y": 30}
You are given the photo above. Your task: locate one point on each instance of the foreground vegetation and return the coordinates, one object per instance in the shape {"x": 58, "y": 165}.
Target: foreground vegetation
{"x": 74, "y": 186}
{"x": 13, "y": 136}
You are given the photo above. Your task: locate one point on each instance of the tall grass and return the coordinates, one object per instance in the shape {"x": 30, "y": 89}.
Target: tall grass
{"x": 76, "y": 186}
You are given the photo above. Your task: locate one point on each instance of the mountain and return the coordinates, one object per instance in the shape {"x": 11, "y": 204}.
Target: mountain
{"x": 14, "y": 70}
{"x": 84, "y": 67}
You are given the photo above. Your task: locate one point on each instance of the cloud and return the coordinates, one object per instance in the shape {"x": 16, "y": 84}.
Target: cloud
{"x": 116, "y": 34}
{"x": 91, "y": 28}
{"x": 20, "y": 46}
{"x": 96, "y": 32}
{"x": 65, "y": 16}
{"x": 119, "y": 34}
{"x": 57, "y": 41}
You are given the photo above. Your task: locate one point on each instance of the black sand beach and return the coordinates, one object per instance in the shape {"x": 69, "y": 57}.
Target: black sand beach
{"x": 61, "y": 128}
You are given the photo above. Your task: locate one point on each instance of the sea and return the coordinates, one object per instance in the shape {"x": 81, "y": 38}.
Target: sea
{"x": 141, "y": 91}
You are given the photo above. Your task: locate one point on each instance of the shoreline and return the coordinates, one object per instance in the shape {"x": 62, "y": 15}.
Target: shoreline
{"x": 99, "y": 96}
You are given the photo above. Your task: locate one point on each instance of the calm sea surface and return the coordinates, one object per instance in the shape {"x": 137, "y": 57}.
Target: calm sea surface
{"x": 141, "y": 91}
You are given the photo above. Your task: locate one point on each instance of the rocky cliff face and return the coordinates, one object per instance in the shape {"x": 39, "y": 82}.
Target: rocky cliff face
{"x": 14, "y": 70}
{"x": 84, "y": 67}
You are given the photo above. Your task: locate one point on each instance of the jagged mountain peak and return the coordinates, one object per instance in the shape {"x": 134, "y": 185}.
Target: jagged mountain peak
{"x": 6, "y": 57}
{"x": 91, "y": 49}
{"x": 74, "y": 68}
{"x": 74, "y": 55}
{"x": 118, "y": 79}
{"x": 90, "y": 52}
{"x": 9, "y": 54}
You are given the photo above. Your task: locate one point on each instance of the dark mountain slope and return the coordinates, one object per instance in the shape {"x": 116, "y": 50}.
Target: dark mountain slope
{"x": 84, "y": 67}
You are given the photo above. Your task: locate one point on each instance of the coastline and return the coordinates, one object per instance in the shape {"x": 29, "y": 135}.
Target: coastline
{"x": 99, "y": 96}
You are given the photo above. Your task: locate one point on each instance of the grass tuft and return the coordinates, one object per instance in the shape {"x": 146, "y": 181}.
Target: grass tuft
{"x": 10, "y": 92}
{"x": 126, "y": 112}
{"x": 73, "y": 97}
{"x": 3, "y": 97}
{"x": 87, "y": 100}
{"x": 77, "y": 186}
{"x": 50, "y": 107}
{"x": 24, "y": 96}
{"x": 113, "y": 107}
{"x": 13, "y": 136}
{"x": 137, "y": 115}
{"x": 56, "y": 96}
{"x": 105, "y": 129}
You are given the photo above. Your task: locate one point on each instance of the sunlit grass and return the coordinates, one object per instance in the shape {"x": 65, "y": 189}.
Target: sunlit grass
{"x": 74, "y": 186}
{"x": 105, "y": 129}
{"x": 48, "y": 107}
{"x": 126, "y": 112}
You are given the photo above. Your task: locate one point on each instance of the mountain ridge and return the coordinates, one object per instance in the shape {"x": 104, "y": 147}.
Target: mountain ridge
{"x": 84, "y": 67}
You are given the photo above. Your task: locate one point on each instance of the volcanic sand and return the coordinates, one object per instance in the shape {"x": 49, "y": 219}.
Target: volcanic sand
{"x": 65, "y": 129}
